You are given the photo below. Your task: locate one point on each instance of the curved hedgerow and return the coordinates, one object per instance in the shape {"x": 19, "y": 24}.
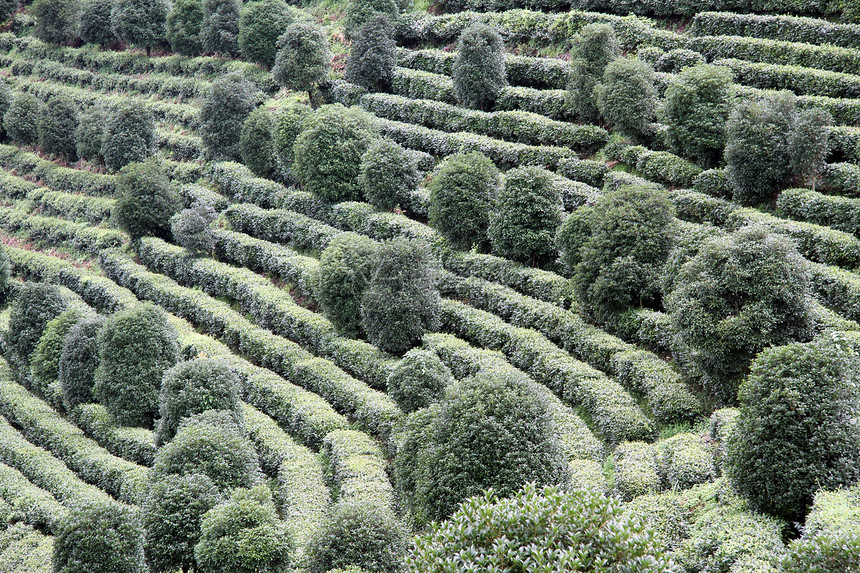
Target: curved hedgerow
{"x": 136, "y": 347}
{"x": 461, "y": 197}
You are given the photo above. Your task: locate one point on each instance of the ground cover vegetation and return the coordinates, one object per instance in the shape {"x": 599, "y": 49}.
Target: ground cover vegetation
{"x": 375, "y": 286}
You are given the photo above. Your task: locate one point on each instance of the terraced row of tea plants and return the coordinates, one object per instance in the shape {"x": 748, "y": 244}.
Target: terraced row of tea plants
{"x": 286, "y": 306}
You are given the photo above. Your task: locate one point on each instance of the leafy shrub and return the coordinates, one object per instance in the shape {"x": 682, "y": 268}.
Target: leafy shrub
{"x": 261, "y": 23}
{"x": 526, "y": 218}
{"x": 95, "y": 24}
{"x": 757, "y": 147}
{"x": 345, "y": 267}
{"x": 303, "y": 59}
{"x": 358, "y": 535}
{"x": 489, "y": 431}
{"x": 136, "y": 347}
{"x": 622, "y": 260}
{"x": 677, "y": 60}
{"x": 627, "y": 98}
{"x": 418, "y": 380}
{"x": 401, "y": 301}
{"x": 172, "y": 513}
{"x": 808, "y": 145}
{"x": 479, "y": 70}
{"x": 146, "y": 200}
{"x": 5, "y": 102}
{"x": 797, "y": 431}
{"x": 129, "y": 135}
{"x": 7, "y": 8}
{"x": 696, "y": 111}
{"x": 35, "y": 306}
{"x": 219, "y": 31}
{"x": 461, "y": 195}
{"x": 244, "y": 535}
{"x": 328, "y": 152}
{"x": 740, "y": 294}
{"x": 572, "y": 235}
{"x": 139, "y": 22}
{"x": 190, "y": 228}
{"x": 288, "y": 125}
{"x": 55, "y": 20}
{"x": 79, "y": 360}
{"x": 90, "y": 133}
{"x": 359, "y": 12}
{"x": 21, "y": 120}
{"x": 57, "y": 126}
{"x": 183, "y": 27}
{"x": 387, "y": 175}
{"x": 5, "y": 271}
{"x": 546, "y": 528}
{"x": 373, "y": 55}
{"x": 193, "y": 387}
{"x": 100, "y": 536}
{"x": 44, "y": 362}
{"x": 223, "y": 113}
{"x": 830, "y": 542}
{"x": 255, "y": 143}
{"x": 593, "y": 47}
{"x": 213, "y": 445}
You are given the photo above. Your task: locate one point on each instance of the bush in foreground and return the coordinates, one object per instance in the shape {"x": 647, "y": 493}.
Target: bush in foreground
{"x": 387, "y": 175}
{"x": 345, "y": 267}
{"x": 798, "y": 430}
{"x": 191, "y": 228}
{"x": 146, "y": 200}
{"x": 418, "y": 380}
{"x": 140, "y": 22}
{"x": 255, "y": 143}
{"x": 95, "y": 24}
{"x": 90, "y": 133}
{"x": 100, "y": 536}
{"x": 55, "y": 20}
{"x": 45, "y": 361}
{"x": 549, "y": 529}
{"x": 627, "y": 98}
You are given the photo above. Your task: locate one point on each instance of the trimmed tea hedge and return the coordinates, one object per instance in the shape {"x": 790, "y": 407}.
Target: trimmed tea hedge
{"x": 786, "y": 28}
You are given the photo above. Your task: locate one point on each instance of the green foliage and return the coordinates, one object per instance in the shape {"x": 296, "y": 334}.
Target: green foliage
{"x": 328, "y": 152}
{"x": 360, "y": 535}
{"x": 129, "y": 135}
{"x": 7, "y": 8}
{"x": 5, "y": 102}
{"x": 44, "y": 362}
{"x": 95, "y": 24}
{"x": 146, "y": 200}
{"x": 831, "y": 536}
{"x": 621, "y": 262}
{"x": 740, "y": 294}
{"x": 172, "y": 513}
{"x": 225, "y": 108}
{"x": 136, "y": 347}
{"x": 461, "y": 195}
{"x": 626, "y": 97}
{"x": 303, "y": 59}
{"x": 255, "y": 143}
{"x": 696, "y": 111}
{"x": 808, "y": 145}
{"x": 34, "y": 307}
{"x": 21, "y": 119}
{"x": 401, "y": 301}
{"x": 100, "y": 536}
{"x": 55, "y": 20}
{"x": 261, "y": 23}
{"x": 183, "y": 27}
{"x": 572, "y": 235}
{"x": 139, "y": 22}
{"x": 526, "y": 217}
{"x": 192, "y": 388}
{"x": 797, "y": 431}
{"x": 359, "y": 12}
{"x": 5, "y": 271}
{"x": 219, "y": 31}
{"x": 90, "y": 133}
{"x": 479, "y": 70}
{"x": 288, "y": 124}
{"x": 345, "y": 267}
{"x": 191, "y": 228}
{"x": 213, "y": 445}
{"x": 244, "y": 535}
{"x": 490, "y": 431}
{"x": 540, "y": 530}
{"x": 57, "y": 126}
{"x": 79, "y": 359}
{"x": 418, "y": 380}
{"x": 593, "y": 47}
{"x": 387, "y": 175}
{"x": 373, "y": 55}
{"x": 757, "y": 147}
